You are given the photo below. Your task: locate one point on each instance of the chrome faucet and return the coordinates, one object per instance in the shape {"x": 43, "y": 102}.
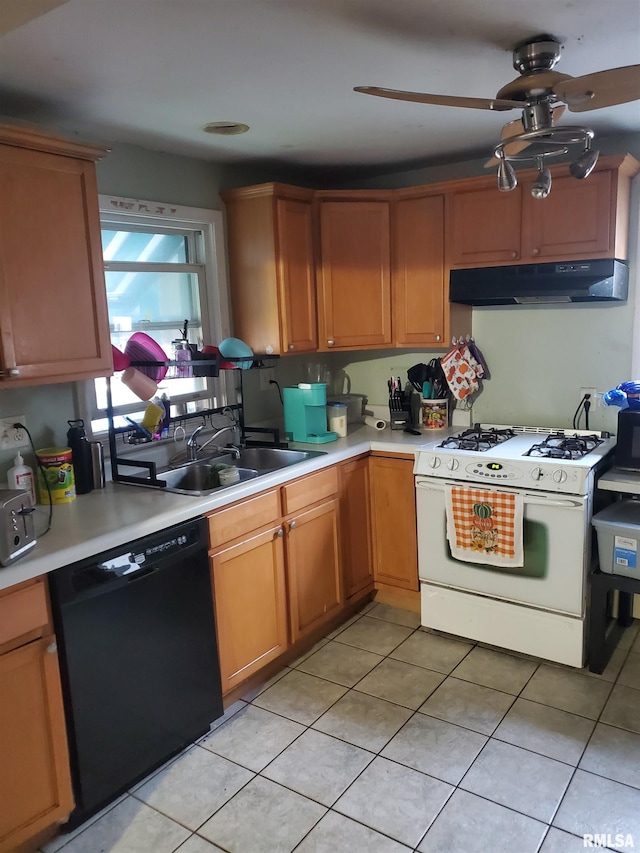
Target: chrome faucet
{"x": 193, "y": 447}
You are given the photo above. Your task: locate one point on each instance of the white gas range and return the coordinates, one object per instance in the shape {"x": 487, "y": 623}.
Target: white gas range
{"x": 539, "y": 607}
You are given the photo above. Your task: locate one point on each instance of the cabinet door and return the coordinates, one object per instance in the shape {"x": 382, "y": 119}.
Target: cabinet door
{"x": 250, "y": 602}
{"x": 419, "y": 286}
{"x": 393, "y": 514}
{"x": 313, "y": 567}
{"x": 575, "y": 220}
{"x": 355, "y": 283}
{"x": 484, "y": 226}
{"x": 35, "y": 785}
{"x": 53, "y": 309}
{"x": 355, "y": 527}
{"x": 297, "y": 276}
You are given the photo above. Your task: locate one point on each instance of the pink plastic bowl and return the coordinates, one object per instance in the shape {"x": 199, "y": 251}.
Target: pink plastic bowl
{"x": 141, "y": 347}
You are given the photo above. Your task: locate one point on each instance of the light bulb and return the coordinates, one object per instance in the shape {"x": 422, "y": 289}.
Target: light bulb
{"x": 585, "y": 164}
{"x": 507, "y": 179}
{"x": 541, "y": 187}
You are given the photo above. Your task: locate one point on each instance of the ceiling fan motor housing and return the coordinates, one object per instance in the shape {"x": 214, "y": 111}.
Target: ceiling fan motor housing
{"x": 536, "y": 55}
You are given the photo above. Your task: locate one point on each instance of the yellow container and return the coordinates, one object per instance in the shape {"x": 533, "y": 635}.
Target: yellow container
{"x": 58, "y": 469}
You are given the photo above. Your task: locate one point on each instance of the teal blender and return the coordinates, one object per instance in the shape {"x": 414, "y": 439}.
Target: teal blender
{"x": 305, "y": 413}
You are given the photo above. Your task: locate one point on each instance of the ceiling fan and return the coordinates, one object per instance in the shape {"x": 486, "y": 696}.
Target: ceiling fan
{"x": 542, "y": 95}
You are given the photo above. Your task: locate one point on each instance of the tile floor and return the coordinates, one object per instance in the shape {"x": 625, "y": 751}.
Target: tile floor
{"x": 386, "y": 738}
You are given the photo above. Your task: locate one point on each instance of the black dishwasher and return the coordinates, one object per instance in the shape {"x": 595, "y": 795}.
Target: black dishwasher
{"x": 138, "y": 658}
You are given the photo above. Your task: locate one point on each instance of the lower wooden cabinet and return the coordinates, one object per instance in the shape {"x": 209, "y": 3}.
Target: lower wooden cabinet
{"x": 393, "y": 522}
{"x": 313, "y": 568}
{"x": 250, "y": 601}
{"x": 35, "y": 783}
{"x": 355, "y": 528}
{"x": 275, "y": 566}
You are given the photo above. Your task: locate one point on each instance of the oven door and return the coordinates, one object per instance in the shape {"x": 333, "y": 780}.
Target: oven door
{"x": 556, "y": 550}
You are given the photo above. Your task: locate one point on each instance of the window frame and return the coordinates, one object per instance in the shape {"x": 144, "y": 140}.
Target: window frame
{"x": 206, "y": 233}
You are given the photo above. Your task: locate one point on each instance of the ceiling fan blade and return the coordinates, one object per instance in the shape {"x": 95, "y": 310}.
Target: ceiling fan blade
{"x": 601, "y": 89}
{"x": 440, "y": 100}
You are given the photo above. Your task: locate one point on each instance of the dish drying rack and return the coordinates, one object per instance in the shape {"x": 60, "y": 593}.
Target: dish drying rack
{"x": 205, "y": 367}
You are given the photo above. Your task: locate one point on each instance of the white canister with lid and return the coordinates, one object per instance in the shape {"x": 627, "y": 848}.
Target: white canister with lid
{"x": 337, "y": 418}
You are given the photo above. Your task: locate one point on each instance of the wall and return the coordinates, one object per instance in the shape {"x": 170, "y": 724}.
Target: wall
{"x": 539, "y": 357}
{"x": 135, "y": 172}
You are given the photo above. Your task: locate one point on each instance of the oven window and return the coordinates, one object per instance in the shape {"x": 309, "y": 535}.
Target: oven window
{"x": 535, "y": 540}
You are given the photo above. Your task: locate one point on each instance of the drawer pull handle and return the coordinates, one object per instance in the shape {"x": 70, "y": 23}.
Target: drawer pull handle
{"x": 330, "y": 342}
{"x": 280, "y": 533}
{"x": 292, "y": 525}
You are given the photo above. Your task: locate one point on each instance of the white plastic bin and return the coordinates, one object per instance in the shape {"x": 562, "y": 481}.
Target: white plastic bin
{"x": 618, "y": 529}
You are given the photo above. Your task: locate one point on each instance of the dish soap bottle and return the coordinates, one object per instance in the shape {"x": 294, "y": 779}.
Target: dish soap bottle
{"x": 21, "y": 477}
{"x": 81, "y": 454}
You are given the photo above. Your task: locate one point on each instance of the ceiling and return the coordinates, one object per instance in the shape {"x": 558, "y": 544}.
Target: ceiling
{"x": 154, "y": 72}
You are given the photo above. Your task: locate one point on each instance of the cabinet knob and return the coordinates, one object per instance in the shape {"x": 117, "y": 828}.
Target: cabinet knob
{"x": 535, "y": 251}
{"x": 437, "y": 337}
{"x": 514, "y": 254}
{"x": 292, "y": 525}
{"x": 52, "y": 648}
{"x": 280, "y": 533}
{"x": 291, "y": 347}
{"x": 13, "y": 371}
{"x": 330, "y": 343}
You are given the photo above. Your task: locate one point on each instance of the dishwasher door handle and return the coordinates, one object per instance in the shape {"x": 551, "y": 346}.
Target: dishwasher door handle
{"x": 141, "y": 573}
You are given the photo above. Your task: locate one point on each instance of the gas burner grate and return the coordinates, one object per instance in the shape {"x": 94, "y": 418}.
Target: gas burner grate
{"x": 477, "y": 439}
{"x": 559, "y": 446}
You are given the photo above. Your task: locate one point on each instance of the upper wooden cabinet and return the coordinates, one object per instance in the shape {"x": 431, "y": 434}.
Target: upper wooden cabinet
{"x": 54, "y": 324}
{"x": 271, "y": 267}
{"x": 579, "y": 219}
{"x": 484, "y": 225}
{"x": 420, "y": 292}
{"x": 354, "y": 270}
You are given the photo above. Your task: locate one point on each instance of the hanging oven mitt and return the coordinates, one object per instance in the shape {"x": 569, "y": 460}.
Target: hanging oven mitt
{"x": 459, "y": 373}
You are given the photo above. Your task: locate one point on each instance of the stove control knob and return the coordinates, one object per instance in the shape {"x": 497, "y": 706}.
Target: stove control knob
{"x": 452, "y": 464}
{"x": 559, "y": 476}
{"x": 434, "y": 462}
{"x": 536, "y": 473}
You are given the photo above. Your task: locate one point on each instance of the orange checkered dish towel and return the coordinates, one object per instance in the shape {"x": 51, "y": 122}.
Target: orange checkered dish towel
{"x": 485, "y": 526}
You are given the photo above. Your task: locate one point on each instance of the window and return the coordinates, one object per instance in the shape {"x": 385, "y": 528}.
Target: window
{"x": 164, "y": 265}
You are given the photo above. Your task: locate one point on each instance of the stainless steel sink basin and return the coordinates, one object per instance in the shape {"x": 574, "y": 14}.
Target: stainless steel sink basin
{"x": 201, "y": 478}
{"x": 265, "y": 459}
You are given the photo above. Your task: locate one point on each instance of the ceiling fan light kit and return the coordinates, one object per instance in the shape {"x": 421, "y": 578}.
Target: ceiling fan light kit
{"x": 541, "y": 94}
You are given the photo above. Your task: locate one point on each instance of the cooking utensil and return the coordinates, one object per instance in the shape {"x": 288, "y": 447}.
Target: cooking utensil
{"x": 417, "y": 375}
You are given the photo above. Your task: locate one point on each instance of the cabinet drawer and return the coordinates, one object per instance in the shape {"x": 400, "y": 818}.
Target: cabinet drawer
{"x": 23, "y": 610}
{"x": 241, "y": 518}
{"x": 309, "y": 490}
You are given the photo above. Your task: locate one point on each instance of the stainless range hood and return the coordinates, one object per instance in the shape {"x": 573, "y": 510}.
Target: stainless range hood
{"x": 600, "y": 280}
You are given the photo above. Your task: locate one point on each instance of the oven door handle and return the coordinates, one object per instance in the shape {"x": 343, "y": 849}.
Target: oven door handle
{"x": 530, "y": 498}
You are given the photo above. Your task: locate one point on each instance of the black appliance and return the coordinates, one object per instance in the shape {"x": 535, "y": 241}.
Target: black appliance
{"x": 600, "y": 280}
{"x": 138, "y": 659}
{"x": 628, "y": 440}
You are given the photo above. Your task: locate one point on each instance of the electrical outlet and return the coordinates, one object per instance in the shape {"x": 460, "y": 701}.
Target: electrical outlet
{"x": 266, "y": 375}
{"x": 591, "y": 392}
{"x": 11, "y": 438}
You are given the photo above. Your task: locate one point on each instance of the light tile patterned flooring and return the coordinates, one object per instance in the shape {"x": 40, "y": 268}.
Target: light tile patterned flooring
{"x": 387, "y": 738}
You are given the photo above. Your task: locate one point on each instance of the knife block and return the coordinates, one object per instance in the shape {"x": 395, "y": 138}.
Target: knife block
{"x": 400, "y": 412}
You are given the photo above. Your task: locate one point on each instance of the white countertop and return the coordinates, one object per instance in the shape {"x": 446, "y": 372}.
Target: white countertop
{"x": 110, "y": 517}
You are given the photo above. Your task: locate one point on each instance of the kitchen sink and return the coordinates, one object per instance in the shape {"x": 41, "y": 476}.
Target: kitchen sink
{"x": 265, "y": 459}
{"x": 201, "y": 478}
